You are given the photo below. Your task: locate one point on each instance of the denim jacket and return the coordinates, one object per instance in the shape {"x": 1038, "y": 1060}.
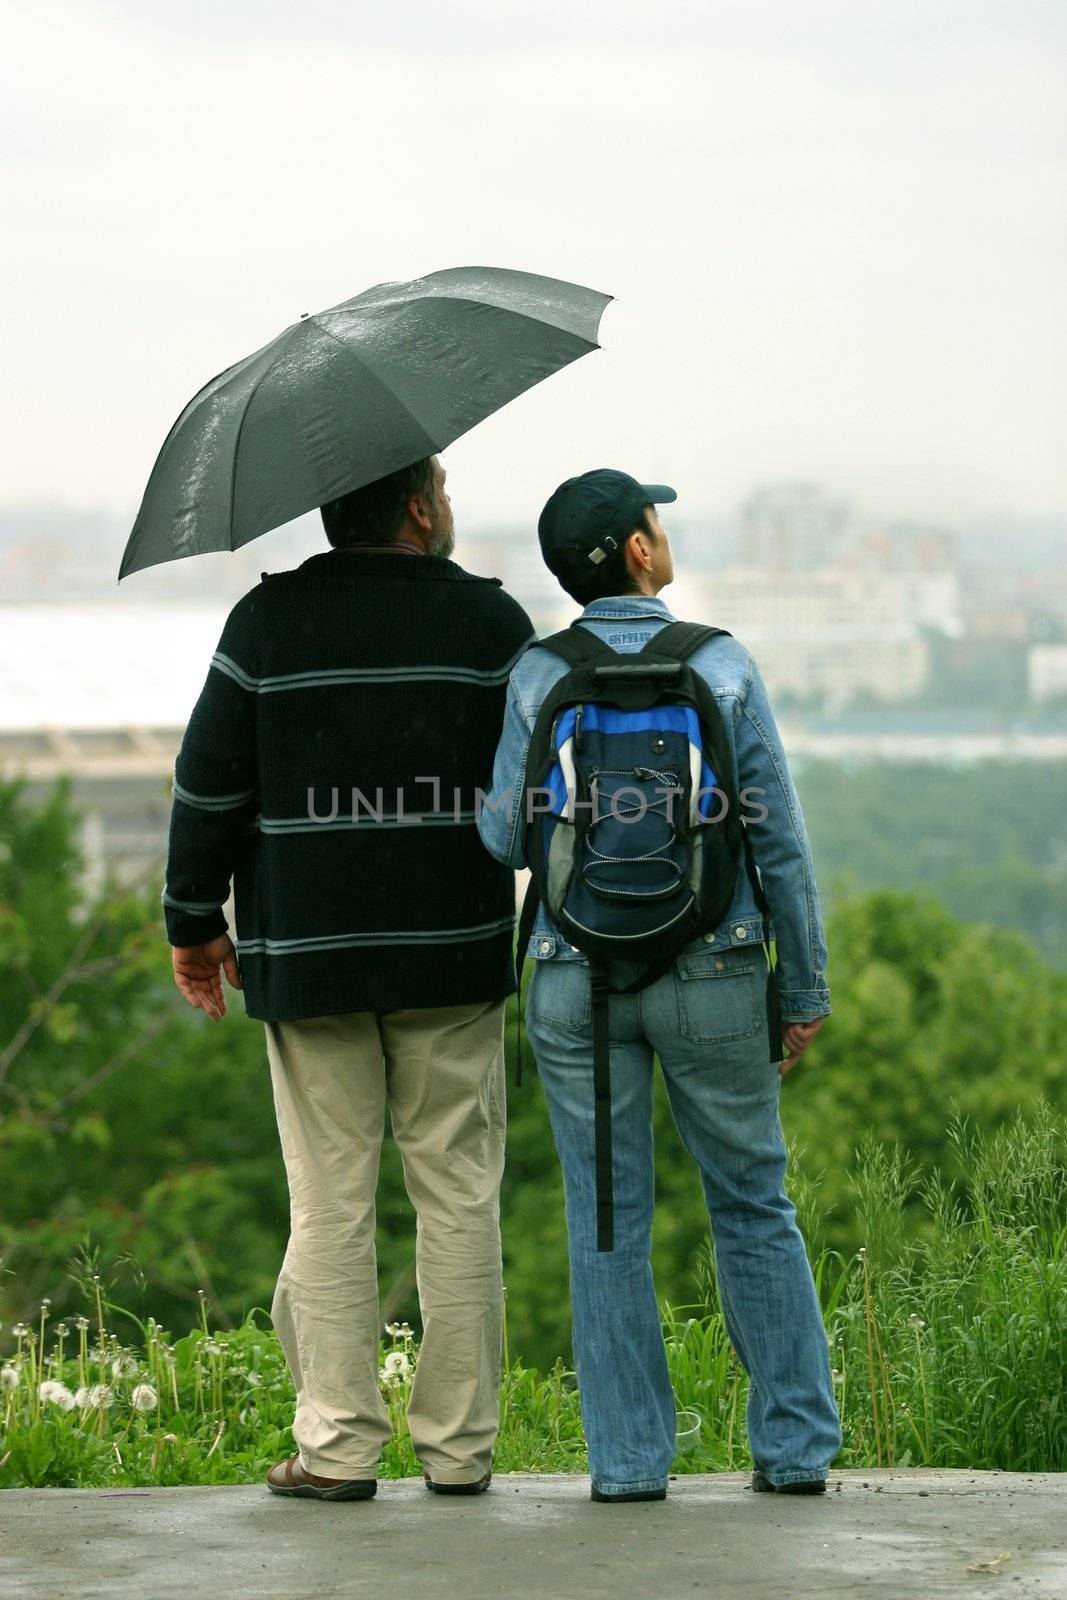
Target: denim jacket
{"x": 780, "y": 843}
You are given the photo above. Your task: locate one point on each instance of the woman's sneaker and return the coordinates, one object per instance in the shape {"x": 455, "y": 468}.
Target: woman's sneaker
{"x": 636, "y": 1494}
{"x": 763, "y": 1485}
{"x": 478, "y": 1487}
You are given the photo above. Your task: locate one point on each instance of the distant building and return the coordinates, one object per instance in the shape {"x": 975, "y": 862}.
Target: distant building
{"x": 103, "y": 692}
{"x": 1047, "y": 671}
{"x": 790, "y": 527}
{"x": 834, "y": 636}
{"x": 917, "y": 562}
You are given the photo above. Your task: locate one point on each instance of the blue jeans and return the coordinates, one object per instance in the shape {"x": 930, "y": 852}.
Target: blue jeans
{"x": 706, "y": 1021}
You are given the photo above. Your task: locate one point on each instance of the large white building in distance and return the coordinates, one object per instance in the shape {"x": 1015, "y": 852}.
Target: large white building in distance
{"x": 832, "y": 606}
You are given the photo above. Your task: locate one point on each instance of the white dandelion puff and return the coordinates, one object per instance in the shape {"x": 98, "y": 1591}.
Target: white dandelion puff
{"x": 9, "y": 1378}
{"x": 56, "y": 1394}
{"x": 81, "y": 1396}
{"x": 100, "y": 1396}
{"x": 397, "y": 1364}
{"x": 123, "y": 1366}
{"x": 144, "y": 1397}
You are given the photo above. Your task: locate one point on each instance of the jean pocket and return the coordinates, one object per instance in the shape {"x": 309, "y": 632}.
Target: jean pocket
{"x": 560, "y": 995}
{"x": 720, "y": 995}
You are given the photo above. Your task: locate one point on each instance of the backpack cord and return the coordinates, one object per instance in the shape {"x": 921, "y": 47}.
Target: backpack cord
{"x": 527, "y": 917}
{"x": 605, "y": 1199}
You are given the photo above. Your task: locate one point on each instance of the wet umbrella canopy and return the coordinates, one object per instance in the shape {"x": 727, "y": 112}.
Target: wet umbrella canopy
{"x": 350, "y": 394}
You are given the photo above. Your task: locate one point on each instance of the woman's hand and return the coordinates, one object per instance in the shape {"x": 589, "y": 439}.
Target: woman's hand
{"x": 796, "y": 1036}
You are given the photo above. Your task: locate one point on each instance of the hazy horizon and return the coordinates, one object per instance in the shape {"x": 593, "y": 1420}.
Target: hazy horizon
{"x": 836, "y": 235}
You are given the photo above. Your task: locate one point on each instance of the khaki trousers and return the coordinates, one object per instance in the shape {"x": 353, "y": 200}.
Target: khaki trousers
{"x": 440, "y": 1071}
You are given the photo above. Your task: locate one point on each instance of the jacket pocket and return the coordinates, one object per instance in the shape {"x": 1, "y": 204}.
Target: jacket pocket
{"x": 721, "y": 994}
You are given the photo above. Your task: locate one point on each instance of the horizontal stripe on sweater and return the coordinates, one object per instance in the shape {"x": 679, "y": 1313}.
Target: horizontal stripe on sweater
{"x": 341, "y": 941}
{"x": 338, "y": 677}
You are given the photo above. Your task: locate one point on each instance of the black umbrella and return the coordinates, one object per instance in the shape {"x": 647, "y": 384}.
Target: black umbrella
{"x": 350, "y": 394}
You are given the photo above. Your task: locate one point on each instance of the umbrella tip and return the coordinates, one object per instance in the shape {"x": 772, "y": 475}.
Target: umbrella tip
{"x": 303, "y": 316}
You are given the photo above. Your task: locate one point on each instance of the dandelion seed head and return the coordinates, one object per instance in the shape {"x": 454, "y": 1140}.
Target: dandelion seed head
{"x": 56, "y": 1394}
{"x": 397, "y": 1364}
{"x": 123, "y": 1366}
{"x": 20, "y": 1330}
{"x": 9, "y": 1378}
{"x": 100, "y": 1396}
{"x": 81, "y": 1396}
{"x": 143, "y": 1397}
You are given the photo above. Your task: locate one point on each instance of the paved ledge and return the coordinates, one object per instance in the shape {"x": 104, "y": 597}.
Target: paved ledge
{"x": 887, "y": 1535}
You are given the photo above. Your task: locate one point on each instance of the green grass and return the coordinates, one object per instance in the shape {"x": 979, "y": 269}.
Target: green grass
{"x": 950, "y": 1352}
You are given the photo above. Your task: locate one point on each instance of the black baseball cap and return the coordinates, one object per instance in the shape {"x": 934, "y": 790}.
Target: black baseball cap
{"x": 588, "y": 519}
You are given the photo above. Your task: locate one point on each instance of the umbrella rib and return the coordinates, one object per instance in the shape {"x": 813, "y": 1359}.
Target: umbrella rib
{"x": 412, "y": 418}
{"x": 240, "y": 430}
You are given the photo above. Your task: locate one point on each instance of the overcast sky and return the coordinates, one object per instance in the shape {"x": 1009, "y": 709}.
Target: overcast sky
{"x": 835, "y": 229}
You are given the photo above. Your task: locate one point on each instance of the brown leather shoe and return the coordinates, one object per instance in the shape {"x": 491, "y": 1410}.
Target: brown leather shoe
{"x": 291, "y": 1477}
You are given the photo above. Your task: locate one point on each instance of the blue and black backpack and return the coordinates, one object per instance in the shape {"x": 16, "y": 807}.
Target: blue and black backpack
{"x": 633, "y": 830}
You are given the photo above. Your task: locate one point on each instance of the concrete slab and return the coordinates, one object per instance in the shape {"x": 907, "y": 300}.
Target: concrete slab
{"x": 884, "y": 1535}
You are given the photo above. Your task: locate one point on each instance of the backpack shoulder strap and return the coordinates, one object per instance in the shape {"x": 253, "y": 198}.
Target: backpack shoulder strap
{"x": 679, "y": 640}
{"x": 577, "y": 646}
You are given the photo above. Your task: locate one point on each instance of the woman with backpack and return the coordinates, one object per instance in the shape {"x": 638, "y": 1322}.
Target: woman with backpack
{"x": 641, "y": 777}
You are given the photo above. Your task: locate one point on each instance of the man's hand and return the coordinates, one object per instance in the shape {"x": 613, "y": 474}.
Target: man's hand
{"x": 196, "y": 972}
{"x": 796, "y": 1036}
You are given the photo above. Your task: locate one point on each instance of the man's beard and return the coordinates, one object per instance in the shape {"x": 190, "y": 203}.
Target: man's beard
{"x": 441, "y": 541}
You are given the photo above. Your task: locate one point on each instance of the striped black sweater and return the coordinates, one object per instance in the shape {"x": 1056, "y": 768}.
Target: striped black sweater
{"x": 330, "y": 767}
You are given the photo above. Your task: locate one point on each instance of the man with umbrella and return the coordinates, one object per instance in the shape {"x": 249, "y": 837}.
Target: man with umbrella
{"x": 331, "y": 763}
{"x": 333, "y": 766}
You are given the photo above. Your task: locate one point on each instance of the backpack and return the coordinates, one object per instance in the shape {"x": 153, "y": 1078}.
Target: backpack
{"x": 633, "y": 832}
